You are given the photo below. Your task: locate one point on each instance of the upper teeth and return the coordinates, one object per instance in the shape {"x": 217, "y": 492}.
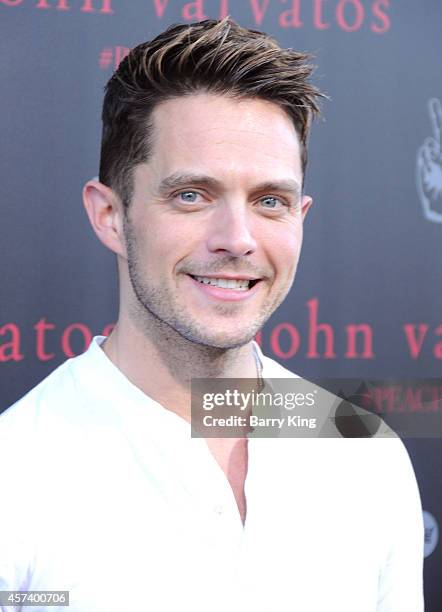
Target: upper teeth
{"x": 226, "y": 283}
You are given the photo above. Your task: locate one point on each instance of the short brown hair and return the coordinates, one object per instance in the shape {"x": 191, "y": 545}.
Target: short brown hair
{"x": 212, "y": 56}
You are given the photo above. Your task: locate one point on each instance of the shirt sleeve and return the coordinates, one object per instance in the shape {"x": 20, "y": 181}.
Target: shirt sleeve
{"x": 401, "y": 579}
{"x": 16, "y": 509}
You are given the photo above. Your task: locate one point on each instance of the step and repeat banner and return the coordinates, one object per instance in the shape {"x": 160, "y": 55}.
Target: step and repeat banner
{"x": 367, "y": 300}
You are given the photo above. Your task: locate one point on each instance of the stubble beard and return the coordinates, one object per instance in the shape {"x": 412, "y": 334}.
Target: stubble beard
{"x": 156, "y": 311}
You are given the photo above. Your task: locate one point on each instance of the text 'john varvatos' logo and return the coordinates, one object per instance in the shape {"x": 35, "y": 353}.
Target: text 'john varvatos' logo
{"x": 429, "y": 166}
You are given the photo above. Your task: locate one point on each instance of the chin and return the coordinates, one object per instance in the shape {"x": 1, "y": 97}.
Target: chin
{"x": 222, "y": 340}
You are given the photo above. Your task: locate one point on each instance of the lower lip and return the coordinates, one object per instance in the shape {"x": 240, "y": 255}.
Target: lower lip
{"x": 226, "y": 295}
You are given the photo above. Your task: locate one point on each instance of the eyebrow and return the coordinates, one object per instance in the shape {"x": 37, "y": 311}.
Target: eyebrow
{"x": 287, "y": 185}
{"x": 177, "y": 180}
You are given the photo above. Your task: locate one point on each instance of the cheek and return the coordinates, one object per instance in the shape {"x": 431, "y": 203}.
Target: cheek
{"x": 283, "y": 248}
{"x": 164, "y": 245}
{"x": 154, "y": 238}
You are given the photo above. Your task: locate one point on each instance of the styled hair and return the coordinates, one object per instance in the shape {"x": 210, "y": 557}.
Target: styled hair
{"x": 212, "y": 56}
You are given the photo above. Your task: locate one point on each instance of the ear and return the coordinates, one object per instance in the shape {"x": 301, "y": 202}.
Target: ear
{"x": 105, "y": 212}
{"x": 306, "y": 202}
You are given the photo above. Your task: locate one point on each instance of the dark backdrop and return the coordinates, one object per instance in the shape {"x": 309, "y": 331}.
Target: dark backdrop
{"x": 372, "y": 251}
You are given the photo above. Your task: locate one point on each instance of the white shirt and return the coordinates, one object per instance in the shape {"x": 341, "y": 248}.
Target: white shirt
{"x": 106, "y": 495}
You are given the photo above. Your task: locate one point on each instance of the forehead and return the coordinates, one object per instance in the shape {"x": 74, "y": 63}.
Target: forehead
{"x": 206, "y": 132}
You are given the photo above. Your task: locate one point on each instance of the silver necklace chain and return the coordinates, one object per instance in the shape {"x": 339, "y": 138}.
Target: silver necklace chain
{"x": 258, "y": 368}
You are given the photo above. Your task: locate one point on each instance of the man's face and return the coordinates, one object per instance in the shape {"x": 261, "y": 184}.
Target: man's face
{"x": 215, "y": 224}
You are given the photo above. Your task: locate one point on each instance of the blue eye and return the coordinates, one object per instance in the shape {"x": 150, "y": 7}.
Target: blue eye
{"x": 270, "y": 202}
{"x": 188, "y": 196}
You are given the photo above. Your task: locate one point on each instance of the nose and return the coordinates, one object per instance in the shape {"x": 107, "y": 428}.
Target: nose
{"x": 230, "y": 231}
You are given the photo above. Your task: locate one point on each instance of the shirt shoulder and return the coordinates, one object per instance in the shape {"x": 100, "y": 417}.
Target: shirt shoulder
{"x": 271, "y": 368}
{"x": 59, "y": 403}
{"x": 43, "y": 398}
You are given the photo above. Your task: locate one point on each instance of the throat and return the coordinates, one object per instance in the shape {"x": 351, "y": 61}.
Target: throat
{"x": 231, "y": 455}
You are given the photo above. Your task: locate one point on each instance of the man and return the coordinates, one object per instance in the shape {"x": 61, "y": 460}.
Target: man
{"x": 107, "y": 495}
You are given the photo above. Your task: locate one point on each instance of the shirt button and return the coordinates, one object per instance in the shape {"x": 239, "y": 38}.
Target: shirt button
{"x": 219, "y": 510}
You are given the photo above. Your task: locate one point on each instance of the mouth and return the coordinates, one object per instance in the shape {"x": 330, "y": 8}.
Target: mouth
{"x": 236, "y": 284}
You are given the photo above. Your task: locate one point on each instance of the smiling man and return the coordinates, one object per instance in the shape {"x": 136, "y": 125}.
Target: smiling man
{"x": 200, "y": 196}
{"x": 209, "y": 245}
{"x": 214, "y": 230}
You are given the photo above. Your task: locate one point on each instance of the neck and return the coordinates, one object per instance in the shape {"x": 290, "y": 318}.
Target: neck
{"x": 161, "y": 362}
